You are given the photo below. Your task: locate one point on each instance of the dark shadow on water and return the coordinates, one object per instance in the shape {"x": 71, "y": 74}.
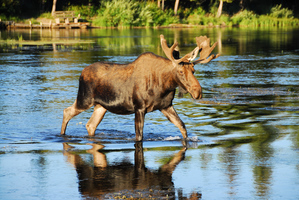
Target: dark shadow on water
{"x": 124, "y": 179}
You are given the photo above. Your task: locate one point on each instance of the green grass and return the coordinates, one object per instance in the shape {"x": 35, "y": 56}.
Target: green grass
{"x": 278, "y": 17}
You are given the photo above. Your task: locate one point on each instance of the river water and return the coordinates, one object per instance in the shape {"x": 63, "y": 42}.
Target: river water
{"x": 243, "y": 135}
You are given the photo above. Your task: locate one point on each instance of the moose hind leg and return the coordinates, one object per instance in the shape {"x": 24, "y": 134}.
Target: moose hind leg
{"x": 95, "y": 119}
{"x": 68, "y": 114}
{"x": 173, "y": 117}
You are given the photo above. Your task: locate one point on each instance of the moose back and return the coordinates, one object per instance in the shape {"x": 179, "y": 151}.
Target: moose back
{"x": 145, "y": 85}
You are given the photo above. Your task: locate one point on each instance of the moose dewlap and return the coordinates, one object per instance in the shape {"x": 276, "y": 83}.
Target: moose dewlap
{"x": 145, "y": 85}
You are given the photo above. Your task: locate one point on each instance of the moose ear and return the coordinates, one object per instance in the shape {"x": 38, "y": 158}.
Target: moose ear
{"x": 176, "y": 53}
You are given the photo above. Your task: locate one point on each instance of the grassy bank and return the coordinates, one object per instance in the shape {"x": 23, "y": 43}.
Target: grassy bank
{"x": 245, "y": 18}
{"x": 122, "y": 13}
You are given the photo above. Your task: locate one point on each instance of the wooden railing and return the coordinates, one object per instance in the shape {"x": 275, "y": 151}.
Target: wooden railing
{"x": 65, "y": 16}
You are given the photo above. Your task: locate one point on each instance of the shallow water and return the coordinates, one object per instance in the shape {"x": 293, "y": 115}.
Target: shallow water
{"x": 243, "y": 135}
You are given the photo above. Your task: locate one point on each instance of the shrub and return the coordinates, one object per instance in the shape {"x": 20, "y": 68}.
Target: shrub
{"x": 123, "y": 13}
{"x": 119, "y": 12}
{"x": 224, "y": 20}
{"x": 208, "y": 20}
{"x": 127, "y": 13}
{"x": 279, "y": 12}
{"x": 197, "y": 17}
{"x": 46, "y": 15}
{"x": 144, "y": 16}
{"x": 86, "y": 12}
{"x": 266, "y": 20}
{"x": 151, "y": 15}
{"x": 244, "y": 17}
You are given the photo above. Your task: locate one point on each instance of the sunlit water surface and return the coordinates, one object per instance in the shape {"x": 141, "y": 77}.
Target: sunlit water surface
{"x": 243, "y": 135}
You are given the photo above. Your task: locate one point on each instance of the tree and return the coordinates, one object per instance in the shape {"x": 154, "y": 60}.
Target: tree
{"x": 53, "y": 7}
{"x": 159, "y": 2}
{"x": 219, "y": 12}
{"x": 176, "y": 6}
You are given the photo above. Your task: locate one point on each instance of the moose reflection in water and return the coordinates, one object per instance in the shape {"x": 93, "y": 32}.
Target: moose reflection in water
{"x": 124, "y": 179}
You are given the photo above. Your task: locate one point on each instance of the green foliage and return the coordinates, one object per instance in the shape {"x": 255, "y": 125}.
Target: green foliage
{"x": 279, "y": 12}
{"x": 3, "y": 17}
{"x": 117, "y": 13}
{"x": 197, "y": 17}
{"x": 144, "y": 16}
{"x": 9, "y": 7}
{"x": 86, "y": 12}
{"x": 123, "y": 13}
{"x": 131, "y": 13}
{"x": 266, "y": 20}
{"x": 32, "y": 20}
{"x": 200, "y": 11}
{"x": 224, "y": 20}
{"x": 46, "y": 15}
{"x": 163, "y": 18}
{"x": 244, "y": 17}
{"x": 277, "y": 17}
{"x": 8, "y": 18}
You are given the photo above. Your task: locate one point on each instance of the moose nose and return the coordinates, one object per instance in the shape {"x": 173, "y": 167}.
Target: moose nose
{"x": 196, "y": 92}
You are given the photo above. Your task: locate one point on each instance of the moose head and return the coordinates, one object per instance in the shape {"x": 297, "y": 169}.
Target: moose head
{"x": 145, "y": 85}
{"x": 185, "y": 66}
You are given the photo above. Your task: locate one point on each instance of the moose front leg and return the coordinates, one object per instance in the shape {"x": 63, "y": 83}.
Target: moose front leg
{"x": 173, "y": 117}
{"x": 95, "y": 119}
{"x": 139, "y": 123}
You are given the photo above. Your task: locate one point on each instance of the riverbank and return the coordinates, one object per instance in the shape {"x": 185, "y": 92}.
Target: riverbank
{"x": 138, "y": 16}
{"x": 8, "y": 25}
{"x": 42, "y": 23}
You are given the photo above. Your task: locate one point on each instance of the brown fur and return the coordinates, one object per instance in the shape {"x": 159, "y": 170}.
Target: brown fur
{"x": 145, "y": 85}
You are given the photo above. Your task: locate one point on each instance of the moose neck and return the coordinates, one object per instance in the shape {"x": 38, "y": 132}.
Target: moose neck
{"x": 171, "y": 81}
{"x": 160, "y": 70}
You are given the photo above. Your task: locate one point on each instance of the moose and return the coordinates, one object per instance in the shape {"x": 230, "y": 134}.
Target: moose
{"x": 145, "y": 85}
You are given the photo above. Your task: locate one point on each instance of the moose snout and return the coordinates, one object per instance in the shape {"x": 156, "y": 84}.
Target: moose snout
{"x": 196, "y": 92}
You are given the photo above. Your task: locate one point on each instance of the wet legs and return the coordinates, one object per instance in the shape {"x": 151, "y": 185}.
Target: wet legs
{"x": 96, "y": 118}
{"x": 172, "y": 116}
{"x": 68, "y": 114}
{"x": 139, "y": 123}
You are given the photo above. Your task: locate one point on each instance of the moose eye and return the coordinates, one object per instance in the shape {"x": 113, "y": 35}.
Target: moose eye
{"x": 181, "y": 72}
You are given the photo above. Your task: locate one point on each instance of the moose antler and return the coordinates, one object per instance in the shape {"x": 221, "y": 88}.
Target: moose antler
{"x": 203, "y": 44}
{"x": 169, "y": 52}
